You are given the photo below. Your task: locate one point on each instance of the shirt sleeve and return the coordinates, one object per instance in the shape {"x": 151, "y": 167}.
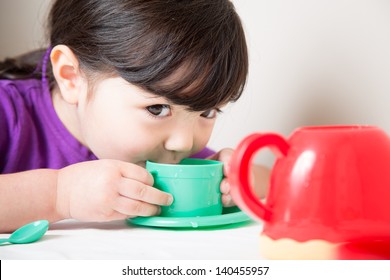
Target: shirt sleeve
{"x": 6, "y": 116}
{"x": 205, "y": 153}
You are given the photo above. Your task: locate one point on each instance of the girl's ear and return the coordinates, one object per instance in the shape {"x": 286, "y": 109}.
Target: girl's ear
{"x": 67, "y": 73}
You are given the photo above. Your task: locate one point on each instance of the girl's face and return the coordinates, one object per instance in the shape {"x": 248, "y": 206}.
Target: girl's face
{"x": 122, "y": 121}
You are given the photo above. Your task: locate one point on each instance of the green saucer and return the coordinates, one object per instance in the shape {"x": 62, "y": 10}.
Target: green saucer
{"x": 230, "y": 215}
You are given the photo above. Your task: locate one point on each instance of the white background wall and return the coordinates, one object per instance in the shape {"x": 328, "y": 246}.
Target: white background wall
{"x": 22, "y": 25}
{"x": 311, "y": 62}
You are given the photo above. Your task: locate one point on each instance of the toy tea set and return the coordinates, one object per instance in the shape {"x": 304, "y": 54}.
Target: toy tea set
{"x": 329, "y": 195}
{"x": 328, "y": 198}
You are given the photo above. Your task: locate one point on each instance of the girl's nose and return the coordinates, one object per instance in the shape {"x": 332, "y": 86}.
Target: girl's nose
{"x": 180, "y": 140}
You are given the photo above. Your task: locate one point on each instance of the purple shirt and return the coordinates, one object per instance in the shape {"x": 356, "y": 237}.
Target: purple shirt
{"x": 31, "y": 134}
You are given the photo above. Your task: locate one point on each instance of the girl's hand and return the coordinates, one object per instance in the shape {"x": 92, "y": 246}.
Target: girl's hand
{"x": 259, "y": 176}
{"x": 104, "y": 190}
{"x": 224, "y": 156}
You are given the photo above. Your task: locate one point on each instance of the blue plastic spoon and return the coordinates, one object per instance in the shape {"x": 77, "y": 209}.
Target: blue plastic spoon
{"x": 28, "y": 233}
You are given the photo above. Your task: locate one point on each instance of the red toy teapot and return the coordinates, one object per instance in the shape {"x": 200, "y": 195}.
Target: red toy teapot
{"x": 330, "y": 185}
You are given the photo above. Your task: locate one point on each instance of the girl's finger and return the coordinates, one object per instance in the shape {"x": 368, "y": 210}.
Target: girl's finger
{"x": 130, "y": 207}
{"x": 135, "y": 190}
{"x": 225, "y": 187}
{"x": 227, "y": 200}
{"x": 135, "y": 172}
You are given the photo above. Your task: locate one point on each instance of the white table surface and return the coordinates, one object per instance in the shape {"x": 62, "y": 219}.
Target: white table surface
{"x": 118, "y": 240}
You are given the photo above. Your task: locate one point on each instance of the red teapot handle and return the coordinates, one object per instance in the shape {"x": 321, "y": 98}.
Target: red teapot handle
{"x": 239, "y": 172}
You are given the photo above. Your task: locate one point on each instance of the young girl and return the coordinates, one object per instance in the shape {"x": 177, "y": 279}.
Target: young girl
{"x": 123, "y": 81}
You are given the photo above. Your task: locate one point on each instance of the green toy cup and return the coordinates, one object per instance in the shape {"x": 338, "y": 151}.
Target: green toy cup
{"x": 194, "y": 185}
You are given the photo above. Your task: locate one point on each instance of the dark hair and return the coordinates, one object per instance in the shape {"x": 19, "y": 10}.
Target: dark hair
{"x": 193, "y": 52}
{"x": 25, "y": 66}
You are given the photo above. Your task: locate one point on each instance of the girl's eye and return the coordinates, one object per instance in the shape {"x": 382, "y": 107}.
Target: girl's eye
{"x": 210, "y": 114}
{"x": 159, "y": 110}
